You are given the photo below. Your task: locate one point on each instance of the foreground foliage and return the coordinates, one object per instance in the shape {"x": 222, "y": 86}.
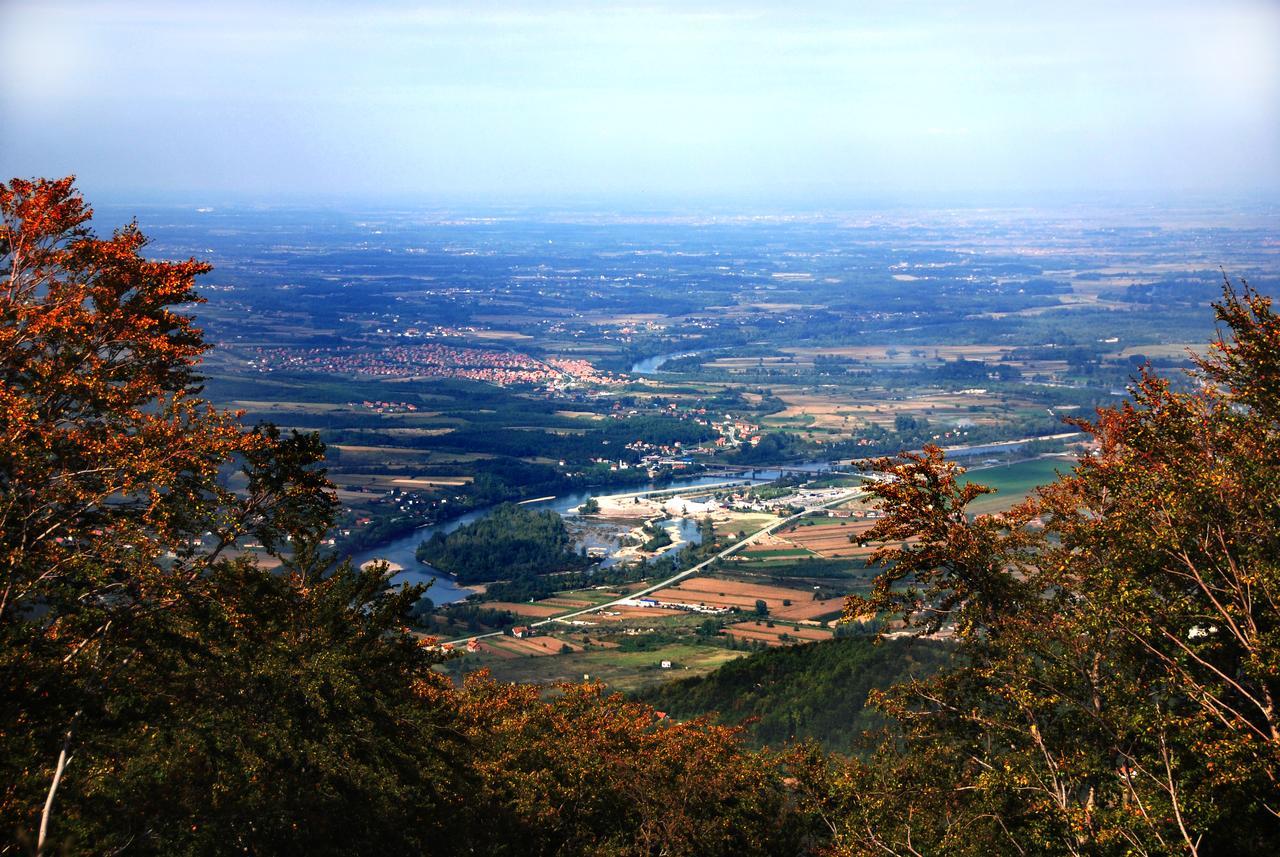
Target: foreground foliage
{"x": 1121, "y": 633}
{"x": 159, "y": 691}
{"x": 590, "y": 773}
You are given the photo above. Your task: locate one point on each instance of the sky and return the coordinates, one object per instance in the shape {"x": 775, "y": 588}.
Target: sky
{"x": 549, "y": 101}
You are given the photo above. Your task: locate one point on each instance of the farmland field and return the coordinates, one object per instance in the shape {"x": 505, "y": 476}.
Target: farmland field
{"x": 618, "y": 669}
{"x": 537, "y": 610}
{"x": 829, "y": 540}
{"x": 528, "y": 646}
{"x": 1014, "y": 482}
{"x": 720, "y": 592}
{"x": 822, "y": 609}
{"x": 759, "y": 631}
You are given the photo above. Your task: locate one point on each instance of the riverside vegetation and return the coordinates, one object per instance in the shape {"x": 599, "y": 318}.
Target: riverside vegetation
{"x": 511, "y": 540}
{"x": 1111, "y": 689}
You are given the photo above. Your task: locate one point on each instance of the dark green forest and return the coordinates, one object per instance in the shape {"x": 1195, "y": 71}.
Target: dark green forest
{"x": 508, "y": 542}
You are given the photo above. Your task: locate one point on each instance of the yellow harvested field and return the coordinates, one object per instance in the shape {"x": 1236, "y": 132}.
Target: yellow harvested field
{"x": 498, "y": 334}
{"x": 1178, "y": 349}
{"x": 386, "y": 482}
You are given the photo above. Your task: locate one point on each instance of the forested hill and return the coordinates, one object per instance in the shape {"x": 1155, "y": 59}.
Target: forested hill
{"x": 817, "y": 690}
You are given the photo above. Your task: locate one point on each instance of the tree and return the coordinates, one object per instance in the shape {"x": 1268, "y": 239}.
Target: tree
{"x": 1119, "y": 632}
{"x": 158, "y": 691}
{"x": 510, "y": 540}
{"x": 587, "y": 772}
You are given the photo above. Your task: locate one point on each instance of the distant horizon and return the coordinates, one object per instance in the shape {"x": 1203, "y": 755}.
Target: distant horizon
{"x": 727, "y": 204}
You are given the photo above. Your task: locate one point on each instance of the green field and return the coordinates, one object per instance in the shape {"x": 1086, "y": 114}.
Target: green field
{"x": 618, "y": 669}
{"x": 1013, "y": 482}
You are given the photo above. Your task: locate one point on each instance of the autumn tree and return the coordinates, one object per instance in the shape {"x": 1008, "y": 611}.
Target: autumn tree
{"x": 163, "y": 692}
{"x": 1118, "y": 634}
{"x": 589, "y": 772}
{"x": 159, "y": 691}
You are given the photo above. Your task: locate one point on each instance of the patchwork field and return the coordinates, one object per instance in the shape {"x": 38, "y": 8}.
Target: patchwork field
{"x": 762, "y": 633}
{"x": 527, "y": 647}
{"x": 718, "y": 592}
{"x": 882, "y": 353}
{"x": 845, "y": 411}
{"x": 829, "y": 540}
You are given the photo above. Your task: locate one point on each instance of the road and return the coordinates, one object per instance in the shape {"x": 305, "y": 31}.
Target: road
{"x": 680, "y": 489}
{"x": 688, "y": 572}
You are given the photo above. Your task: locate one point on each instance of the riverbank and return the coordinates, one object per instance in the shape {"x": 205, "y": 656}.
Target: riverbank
{"x": 444, "y": 589}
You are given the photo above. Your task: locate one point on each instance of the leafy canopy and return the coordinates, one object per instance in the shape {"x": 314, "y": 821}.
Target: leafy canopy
{"x": 1120, "y": 632}
{"x": 159, "y": 690}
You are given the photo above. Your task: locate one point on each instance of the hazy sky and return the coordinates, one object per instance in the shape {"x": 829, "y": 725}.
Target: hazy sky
{"x": 547, "y": 100}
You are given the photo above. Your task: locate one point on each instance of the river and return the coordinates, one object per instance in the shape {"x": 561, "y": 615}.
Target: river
{"x": 652, "y": 365}
{"x": 444, "y": 590}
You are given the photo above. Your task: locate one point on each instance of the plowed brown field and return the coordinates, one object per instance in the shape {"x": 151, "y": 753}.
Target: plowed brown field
{"x": 809, "y": 609}
{"x": 715, "y": 592}
{"x": 527, "y": 646}
{"x": 770, "y": 636}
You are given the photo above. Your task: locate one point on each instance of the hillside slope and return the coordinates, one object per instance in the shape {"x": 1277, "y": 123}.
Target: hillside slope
{"x": 818, "y": 690}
